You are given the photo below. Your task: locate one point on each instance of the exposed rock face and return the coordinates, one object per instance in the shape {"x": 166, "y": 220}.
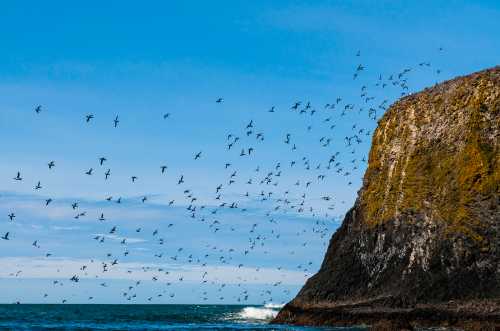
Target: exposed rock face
{"x": 422, "y": 243}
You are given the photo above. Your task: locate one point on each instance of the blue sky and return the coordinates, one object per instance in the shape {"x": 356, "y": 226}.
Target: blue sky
{"x": 142, "y": 60}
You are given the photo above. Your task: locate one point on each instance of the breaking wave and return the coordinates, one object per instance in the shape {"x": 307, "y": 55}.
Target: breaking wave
{"x": 274, "y": 305}
{"x": 266, "y": 313}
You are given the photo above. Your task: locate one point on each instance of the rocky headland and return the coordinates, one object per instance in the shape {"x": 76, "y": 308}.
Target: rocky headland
{"x": 421, "y": 245}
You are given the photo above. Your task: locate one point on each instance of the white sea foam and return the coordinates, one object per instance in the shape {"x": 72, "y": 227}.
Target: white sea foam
{"x": 274, "y": 305}
{"x": 266, "y": 313}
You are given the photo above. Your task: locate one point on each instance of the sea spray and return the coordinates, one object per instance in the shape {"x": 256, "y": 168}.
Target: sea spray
{"x": 265, "y": 313}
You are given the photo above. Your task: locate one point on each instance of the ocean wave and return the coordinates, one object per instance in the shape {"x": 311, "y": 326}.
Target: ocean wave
{"x": 265, "y": 313}
{"x": 274, "y": 305}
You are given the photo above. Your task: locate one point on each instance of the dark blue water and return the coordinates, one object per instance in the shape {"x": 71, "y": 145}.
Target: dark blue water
{"x": 141, "y": 317}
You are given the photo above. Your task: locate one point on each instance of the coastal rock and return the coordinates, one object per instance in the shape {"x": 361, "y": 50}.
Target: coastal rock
{"x": 421, "y": 246}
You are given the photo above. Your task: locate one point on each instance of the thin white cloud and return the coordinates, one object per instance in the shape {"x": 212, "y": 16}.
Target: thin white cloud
{"x": 65, "y": 268}
{"x": 65, "y": 228}
{"x": 129, "y": 240}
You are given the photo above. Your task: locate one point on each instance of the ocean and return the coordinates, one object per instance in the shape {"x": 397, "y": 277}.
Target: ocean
{"x": 143, "y": 317}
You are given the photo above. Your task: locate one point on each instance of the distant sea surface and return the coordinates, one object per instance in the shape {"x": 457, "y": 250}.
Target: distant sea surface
{"x": 143, "y": 317}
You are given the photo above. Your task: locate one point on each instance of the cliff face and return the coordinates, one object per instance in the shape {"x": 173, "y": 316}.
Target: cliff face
{"x": 425, "y": 227}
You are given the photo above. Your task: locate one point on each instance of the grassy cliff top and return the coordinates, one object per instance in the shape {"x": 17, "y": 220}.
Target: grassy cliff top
{"x": 436, "y": 153}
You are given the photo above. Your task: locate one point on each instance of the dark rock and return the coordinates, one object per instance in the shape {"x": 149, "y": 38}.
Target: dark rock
{"x": 388, "y": 325}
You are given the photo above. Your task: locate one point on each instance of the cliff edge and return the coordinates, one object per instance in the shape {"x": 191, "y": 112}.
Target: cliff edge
{"x": 421, "y": 246}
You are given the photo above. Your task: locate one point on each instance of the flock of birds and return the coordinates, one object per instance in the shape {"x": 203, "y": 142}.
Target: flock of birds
{"x": 262, "y": 186}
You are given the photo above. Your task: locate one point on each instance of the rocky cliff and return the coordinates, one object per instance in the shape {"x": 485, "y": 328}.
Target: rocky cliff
{"x": 421, "y": 246}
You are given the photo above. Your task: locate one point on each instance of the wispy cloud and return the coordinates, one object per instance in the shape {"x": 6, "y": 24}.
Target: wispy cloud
{"x": 65, "y": 268}
{"x": 128, "y": 240}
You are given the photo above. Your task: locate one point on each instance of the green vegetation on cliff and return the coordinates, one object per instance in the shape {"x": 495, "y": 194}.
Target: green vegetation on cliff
{"x": 437, "y": 153}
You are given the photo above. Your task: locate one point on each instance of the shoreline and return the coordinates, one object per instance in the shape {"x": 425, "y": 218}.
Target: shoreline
{"x": 470, "y": 315}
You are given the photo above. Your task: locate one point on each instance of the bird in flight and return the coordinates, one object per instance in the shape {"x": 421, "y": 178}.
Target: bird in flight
{"x": 163, "y": 168}
{"x": 219, "y": 100}
{"x": 12, "y": 216}
{"x": 89, "y": 117}
{"x": 38, "y": 109}
{"x": 18, "y": 177}
{"x": 6, "y": 236}
{"x": 102, "y": 160}
{"x": 51, "y": 164}
{"x": 197, "y": 156}
{"x": 116, "y": 121}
